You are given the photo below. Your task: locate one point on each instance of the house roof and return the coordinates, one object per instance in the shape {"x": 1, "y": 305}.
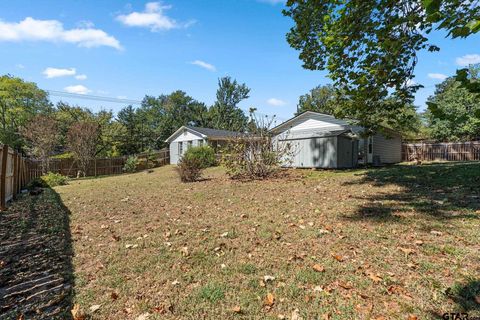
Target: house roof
{"x": 304, "y": 134}
{"x": 206, "y": 133}
{"x": 346, "y": 126}
{"x": 300, "y": 115}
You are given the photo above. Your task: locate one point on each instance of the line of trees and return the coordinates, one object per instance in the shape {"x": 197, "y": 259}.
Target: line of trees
{"x": 32, "y": 124}
{"x": 453, "y": 112}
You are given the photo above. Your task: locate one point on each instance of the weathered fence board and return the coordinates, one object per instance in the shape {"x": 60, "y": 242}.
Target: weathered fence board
{"x": 14, "y": 174}
{"x": 451, "y": 151}
{"x": 99, "y": 166}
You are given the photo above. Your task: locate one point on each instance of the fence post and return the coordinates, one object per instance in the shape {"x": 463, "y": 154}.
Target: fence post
{"x": 3, "y": 176}
{"x": 15, "y": 175}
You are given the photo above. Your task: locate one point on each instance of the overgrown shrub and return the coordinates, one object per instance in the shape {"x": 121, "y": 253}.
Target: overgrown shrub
{"x": 54, "y": 179}
{"x": 256, "y": 155}
{"x": 131, "y": 164}
{"x": 205, "y": 154}
{"x": 189, "y": 169}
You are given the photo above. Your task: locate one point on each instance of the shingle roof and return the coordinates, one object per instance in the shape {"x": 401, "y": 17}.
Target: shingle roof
{"x": 212, "y": 133}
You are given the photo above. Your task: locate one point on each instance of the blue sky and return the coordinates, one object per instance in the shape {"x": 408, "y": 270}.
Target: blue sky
{"x": 129, "y": 49}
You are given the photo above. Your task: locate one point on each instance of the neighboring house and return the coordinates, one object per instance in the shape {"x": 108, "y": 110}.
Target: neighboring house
{"x": 322, "y": 141}
{"x": 188, "y": 136}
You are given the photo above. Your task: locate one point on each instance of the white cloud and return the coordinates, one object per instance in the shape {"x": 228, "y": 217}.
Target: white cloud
{"x": 77, "y": 89}
{"x": 468, "y": 59}
{"x": 122, "y": 97}
{"x": 31, "y": 29}
{"x": 437, "y": 76}
{"x": 153, "y": 17}
{"x": 276, "y": 102}
{"x": 81, "y": 77}
{"x": 58, "y": 72}
{"x": 20, "y": 66}
{"x": 204, "y": 65}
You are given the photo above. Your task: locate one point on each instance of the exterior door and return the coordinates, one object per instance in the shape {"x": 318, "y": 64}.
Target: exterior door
{"x": 370, "y": 149}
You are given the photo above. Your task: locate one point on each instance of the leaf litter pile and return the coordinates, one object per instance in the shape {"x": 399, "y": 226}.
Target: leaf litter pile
{"x": 396, "y": 242}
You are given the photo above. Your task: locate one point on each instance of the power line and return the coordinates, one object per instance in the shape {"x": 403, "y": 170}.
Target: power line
{"x": 64, "y": 94}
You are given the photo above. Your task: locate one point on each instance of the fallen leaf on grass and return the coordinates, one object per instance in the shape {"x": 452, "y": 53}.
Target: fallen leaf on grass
{"x": 95, "y": 307}
{"x": 114, "y": 296}
{"x": 318, "y": 268}
{"x": 477, "y": 299}
{"x": 407, "y": 251}
{"x": 185, "y": 251}
{"x": 269, "y": 300}
{"x": 338, "y": 257}
{"x": 237, "y": 309}
{"x": 436, "y": 233}
{"x": 143, "y": 316}
{"x": 268, "y": 278}
{"x": 345, "y": 286}
{"x": 296, "y": 315}
{"x": 412, "y": 317}
{"x": 375, "y": 278}
{"x": 77, "y": 313}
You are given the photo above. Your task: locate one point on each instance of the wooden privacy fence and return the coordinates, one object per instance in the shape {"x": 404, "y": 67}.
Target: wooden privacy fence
{"x": 450, "y": 151}
{"x": 14, "y": 174}
{"x": 99, "y": 166}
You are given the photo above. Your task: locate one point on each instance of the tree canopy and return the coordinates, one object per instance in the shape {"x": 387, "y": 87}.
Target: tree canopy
{"x": 454, "y": 111}
{"x": 20, "y": 101}
{"x": 369, "y": 48}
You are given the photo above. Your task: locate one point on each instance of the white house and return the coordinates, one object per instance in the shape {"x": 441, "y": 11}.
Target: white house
{"x": 323, "y": 141}
{"x": 188, "y": 136}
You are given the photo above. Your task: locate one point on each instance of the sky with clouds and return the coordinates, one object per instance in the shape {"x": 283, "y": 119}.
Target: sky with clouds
{"x": 128, "y": 49}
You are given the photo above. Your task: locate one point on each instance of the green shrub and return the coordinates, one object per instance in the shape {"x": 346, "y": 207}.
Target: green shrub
{"x": 131, "y": 164}
{"x": 205, "y": 154}
{"x": 54, "y": 179}
{"x": 189, "y": 169}
{"x": 36, "y": 183}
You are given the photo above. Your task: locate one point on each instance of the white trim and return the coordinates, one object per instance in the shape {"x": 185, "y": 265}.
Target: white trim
{"x": 172, "y": 137}
{"x": 301, "y": 115}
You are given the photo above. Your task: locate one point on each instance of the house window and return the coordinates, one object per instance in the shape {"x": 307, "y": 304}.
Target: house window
{"x": 189, "y": 144}
{"x": 200, "y": 143}
{"x": 180, "y": 148}
{"x": 370, "y": 145}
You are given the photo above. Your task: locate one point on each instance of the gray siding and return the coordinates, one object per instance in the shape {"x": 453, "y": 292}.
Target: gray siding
{"x": 388, "y": 148}
{"x": 174, "y": 152}
{"x": 347, "y": 152}
{"x": 315, "y": 152}
{"x": 174, "y": 156}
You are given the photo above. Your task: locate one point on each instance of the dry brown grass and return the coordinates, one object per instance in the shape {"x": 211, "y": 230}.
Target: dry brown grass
{"x": 393, "y": 242}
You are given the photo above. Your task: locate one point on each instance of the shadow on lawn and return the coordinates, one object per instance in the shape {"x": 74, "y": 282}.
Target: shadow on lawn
{"x": 439, "y": 190}
{"x": 36, "y": 272}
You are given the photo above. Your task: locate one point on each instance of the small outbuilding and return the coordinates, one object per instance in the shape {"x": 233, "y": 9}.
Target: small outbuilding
{"x": 189, "y": 136}
{"x": 323, "y": 141}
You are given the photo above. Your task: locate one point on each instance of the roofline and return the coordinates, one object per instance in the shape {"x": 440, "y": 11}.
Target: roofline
{"x": 297, "y": 116}
{"x": 169, "y": 139}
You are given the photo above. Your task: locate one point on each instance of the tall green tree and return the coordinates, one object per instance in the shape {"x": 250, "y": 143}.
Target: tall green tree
{"x": 454, "y": 112}
{"x": 225, "y": 113}
{"x": 20, "y": 101}
{"x": 130, "y": 139}
{"x": 323, "y": 99}
{"x": 163, "y": 115}
{"x": 370, "y": 47}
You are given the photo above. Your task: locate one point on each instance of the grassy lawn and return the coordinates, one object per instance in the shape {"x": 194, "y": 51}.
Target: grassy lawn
{"x": 392, "y": 242}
